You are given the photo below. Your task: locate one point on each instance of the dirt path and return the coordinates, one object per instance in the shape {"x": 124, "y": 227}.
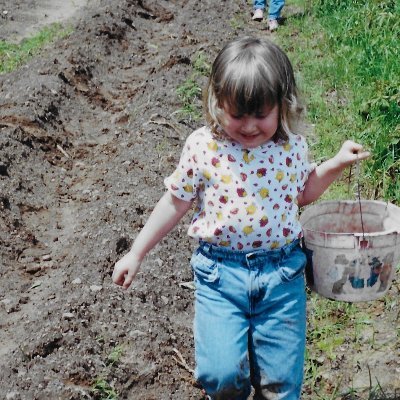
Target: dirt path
{"x": 87, "y": 133}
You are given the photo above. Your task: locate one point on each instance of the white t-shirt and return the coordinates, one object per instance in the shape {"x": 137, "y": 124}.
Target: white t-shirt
{"x": 246, "y": 198}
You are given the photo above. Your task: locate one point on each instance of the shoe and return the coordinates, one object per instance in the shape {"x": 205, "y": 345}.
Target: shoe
{"x": 273, "y": 25}
{"x": 258, "y": 15}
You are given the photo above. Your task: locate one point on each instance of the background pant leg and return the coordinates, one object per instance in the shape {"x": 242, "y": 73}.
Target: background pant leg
{"x": 259, "y": 4}
{"x": 275, "y": 8}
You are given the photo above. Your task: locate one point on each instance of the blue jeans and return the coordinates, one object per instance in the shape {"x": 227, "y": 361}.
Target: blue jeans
{"x": 250, "y": 320}
{"x": 275, "y": 7}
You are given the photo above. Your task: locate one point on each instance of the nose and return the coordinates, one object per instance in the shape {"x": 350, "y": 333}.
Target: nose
{"x": 249, "y": 125}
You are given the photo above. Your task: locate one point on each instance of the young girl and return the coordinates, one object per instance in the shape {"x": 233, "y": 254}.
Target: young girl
{"x": 248, "y": 173}
{"x": 275, "y": 9}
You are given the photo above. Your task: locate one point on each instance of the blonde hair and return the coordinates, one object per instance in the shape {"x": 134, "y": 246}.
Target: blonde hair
{"x": 247, "y": 75}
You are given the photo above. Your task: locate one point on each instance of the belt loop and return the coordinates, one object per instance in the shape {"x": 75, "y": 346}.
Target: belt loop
{"x": 289, "y": 247}
{"x": 206, "y": 247}
{"x": 286, "y": 249}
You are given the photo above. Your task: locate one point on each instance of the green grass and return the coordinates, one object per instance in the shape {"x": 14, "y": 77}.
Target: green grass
{"x": 330, "y": 325}
{"x": 114, "y": 357}
{"x": 103, "y": 390}
{"x": 13, "y": 55}
{"x": 346, "y": 54}
{"x": 189, "y": 92}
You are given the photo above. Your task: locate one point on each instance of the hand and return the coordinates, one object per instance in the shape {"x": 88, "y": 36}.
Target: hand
{"x": 349, "y": 153}
{"x": 125, "y": 270}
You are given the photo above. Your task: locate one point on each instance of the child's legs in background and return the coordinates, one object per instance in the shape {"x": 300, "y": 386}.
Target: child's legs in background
{"x": 275, "y": 8}
{"x": 278, "y": 331}
{"x": 221, "y": 329}
{"x": 259, "y": 4}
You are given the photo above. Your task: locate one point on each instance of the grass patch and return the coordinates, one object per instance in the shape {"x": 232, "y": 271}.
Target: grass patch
{"x": 347, "y": 57}
{"x": 331, "y": 324}
{"x": 115, "y": 356}
{"x": 13, "y": 55}
{"x": 189, "y": 92}
{"x": 102, "y": 390}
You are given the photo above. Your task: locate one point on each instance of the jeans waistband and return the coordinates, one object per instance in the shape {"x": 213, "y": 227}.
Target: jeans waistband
{"x": 255, "y": 256}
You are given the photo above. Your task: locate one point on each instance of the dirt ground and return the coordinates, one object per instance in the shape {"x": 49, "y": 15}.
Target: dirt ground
{"x": 88, "y": 131}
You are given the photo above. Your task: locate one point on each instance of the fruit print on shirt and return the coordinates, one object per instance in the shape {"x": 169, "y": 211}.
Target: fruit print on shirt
{"x": 246, "y": 199}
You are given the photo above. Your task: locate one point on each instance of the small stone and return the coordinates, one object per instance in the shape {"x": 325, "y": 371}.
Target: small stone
{"x": 164, "y": 299}
{"x": 35, "y": 284}
{"x": 46, "y": 257}
{"x": 5, "y": 12}
{"x": 32, "y": 269}
{"x": 68, "y": 316}
{"x": 96, "y": 288}
{"x": 77, "y": 281}
{"x": 10, "y": 306}
{"x": 24, "y": 300}
{"x": 159, "y": 262}
{"x": 136, "y": 333}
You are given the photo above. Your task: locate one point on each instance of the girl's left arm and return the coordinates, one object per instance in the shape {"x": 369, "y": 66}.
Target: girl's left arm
{"x": 324, "y": 174}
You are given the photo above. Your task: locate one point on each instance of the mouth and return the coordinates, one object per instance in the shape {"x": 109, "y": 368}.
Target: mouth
{"x": 249, "y": 137}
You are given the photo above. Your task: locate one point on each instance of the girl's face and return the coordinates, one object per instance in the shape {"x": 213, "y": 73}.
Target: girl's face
{"x": 251, "y": 130}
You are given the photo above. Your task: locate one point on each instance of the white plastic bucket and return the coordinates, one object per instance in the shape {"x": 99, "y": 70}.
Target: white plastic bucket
{"x": 344, "y": 264}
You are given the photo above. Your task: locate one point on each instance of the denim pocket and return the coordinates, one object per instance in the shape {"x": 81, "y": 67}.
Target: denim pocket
{"x": 204, "y": 268}
{"x": 292, "y": 266}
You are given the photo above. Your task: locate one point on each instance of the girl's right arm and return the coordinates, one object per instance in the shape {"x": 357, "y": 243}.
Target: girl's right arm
{"x": 165, "y": 216}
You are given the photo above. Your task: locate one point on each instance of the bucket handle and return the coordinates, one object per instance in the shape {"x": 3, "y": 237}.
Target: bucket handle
{"x": 360, "y": 242}
{"x": 363, "y": 241}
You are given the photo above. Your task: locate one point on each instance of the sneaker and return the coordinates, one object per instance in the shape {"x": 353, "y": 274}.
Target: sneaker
{"x": 273, "y": 25}
{"x": 258, "y": 15}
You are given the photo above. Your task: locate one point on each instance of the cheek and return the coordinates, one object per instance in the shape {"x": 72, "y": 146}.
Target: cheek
{"x": 271, "y": 123}
{"x": 232, "y": 124}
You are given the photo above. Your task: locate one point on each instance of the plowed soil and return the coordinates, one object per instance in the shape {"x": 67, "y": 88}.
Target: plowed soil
{"x": 88, "y": 131}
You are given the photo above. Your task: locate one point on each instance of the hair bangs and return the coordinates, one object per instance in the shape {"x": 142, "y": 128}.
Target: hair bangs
{"x": 247, "y": 88}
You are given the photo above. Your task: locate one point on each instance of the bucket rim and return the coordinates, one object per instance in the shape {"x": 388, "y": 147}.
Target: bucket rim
{"x": 350, "y": 234}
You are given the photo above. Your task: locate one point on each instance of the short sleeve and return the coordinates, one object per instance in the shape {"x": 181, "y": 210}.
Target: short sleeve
{"x": 305, "y": 166}
{"x": 182, "y": 182}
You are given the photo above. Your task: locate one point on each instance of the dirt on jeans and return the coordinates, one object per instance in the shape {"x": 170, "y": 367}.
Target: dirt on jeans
{"x": 88, "y": 131}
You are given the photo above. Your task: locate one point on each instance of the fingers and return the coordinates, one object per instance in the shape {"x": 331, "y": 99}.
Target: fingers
{"x": 353, "y": 147}
{"x": 363, "y": 155}
{"x": 355, "y": 151}
{"x": 125, "y": 271}
{"x": 118, "y": 276}
{"x": 128, "y": 281}
{"x": 123, "y": 279}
